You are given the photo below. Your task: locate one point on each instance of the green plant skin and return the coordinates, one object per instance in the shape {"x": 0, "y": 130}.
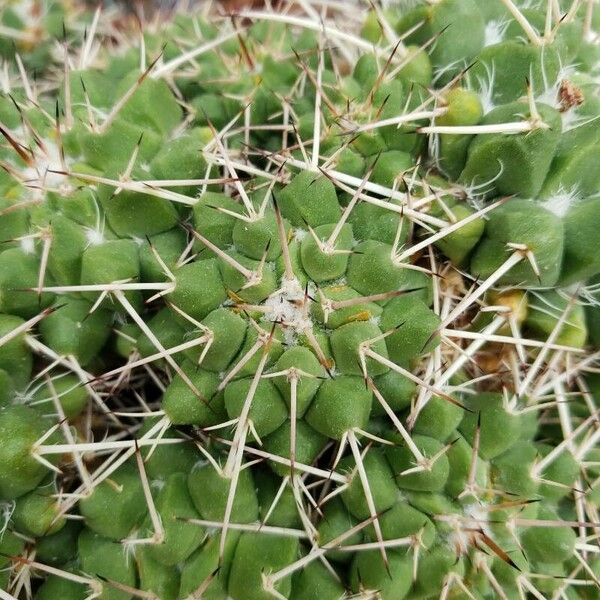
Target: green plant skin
{"x": 366, "y": 70}
{"x": 319, "y": 266}
{"x": 10, "y": 545}
{"x": 431, "y": 503}
{"x": 285, "y": 513}
{"x": 169, "y": 245}
{"x": 464, "y": 108}
{"x": 381, "y": 481}
{"x": 19, "y": 270}
{"x": 401, "y": 459}
{"x": 235, "y": 282}
{"x": 309, "y": 198}
{"x": 267, "y": 411}
{"x": 512, "y": 469}
{"x": 36, "y": 514}
{"x": 106, "y": 150}
{"x": 104, "y": 558}
{"x": 498, "y": 428}
{"x": 435, "y": 566}
{"x": 581, "y": 227}
{"x": 309, "y": 444}
{"x": 15, "y": 357}
{"x": 592, "y": 320}
{"x": 416, "y": 325}
{"x": 419, "y": 69}
{"x": 166, "y": 328}
{"x": 123, "y": 210}
{"x": 254, "y": 555}
{"x": 459, "y": 458}
{"x": 438, "y": 419}
{"x": 371, "y": 271}
{"x": 181, "y": 158}
{"x": 204, "y": 564}
{"x": 348, "y": 314}
{"x": 507, "y": 154}
{"x": 198, "y": 288}
{"x": 116, "y": 506}
{"x": 523, "y": 222}
{"x": 403, "y": 520}
{"x": 572, "y": 167}
{"x": 57, "y": 587}
{"x": 229, "y": 332}
{"x": 315, "y": 581}
{"x": 72, "y": 330}
{"x": 350, "y": 162}
{"x": 163, "y": 460}
{"x": 20, "y": 428}
{"x": 396, "y": 389}
{"x": 152, "y": 106}
{"x": 346, "y": 343}
{"x": 391, "y": 166}
{"x": 462, "y": 40}
{"x": 368, "y": 572}
{"x": 551, "y": 545}
{"x": 336, "y": 520}
{"x": 370, "y": 222}
{"x": 68, "y": 243}
{"x": 157, "y": 578}
{"x": 113, "y": 260}
{"x": 305, "y": 361}
{"x": 7, "y": 388}
{"x": 257, "y": 237}
{"x": 209, "y": 491}
{"x": 564, "y": 470}
{"x": 389, "y": 100}
{"x": 216, "y": 226}
{"x": 13, "y": 224}
{"x": 545, "y": 310}
{"x": 512, "y": 62}
{"x": 341, "y": 404}
{"x": 71, "y": 394}
{"x": 174, "y": 505}
{"x": 184, "y": 406}
{"x": 275, "y": 348}
{"x": 458, "y": 245}
{"x": 61, "y": 547}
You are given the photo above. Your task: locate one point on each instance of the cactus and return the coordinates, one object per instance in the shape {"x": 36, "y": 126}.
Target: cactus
{"x": 300, "y": 302}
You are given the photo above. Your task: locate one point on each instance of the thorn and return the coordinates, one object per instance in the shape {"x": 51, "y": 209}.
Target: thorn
{"x": 491, "y": 544}
{"x": 18, "y": 148}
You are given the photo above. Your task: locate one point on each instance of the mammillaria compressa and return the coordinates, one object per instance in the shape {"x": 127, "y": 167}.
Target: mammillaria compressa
{"x": 301, "y": 301}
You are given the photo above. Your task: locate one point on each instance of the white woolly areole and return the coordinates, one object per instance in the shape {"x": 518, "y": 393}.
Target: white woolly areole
{"x": 6, "y": 510}
{"x": 494, "y": 32}
{"x": 460, "y": 539}
{"x": 28, "y": 245}
{"x": 550, "y": 94}
{"x": 561, "y": 203}
{"x": 40, "y": 175}
{"x": 485, "y": 85}
{"x": 300, "y": 234}
{"x": 95, "y": 237}
{"x": 287, "y": 305}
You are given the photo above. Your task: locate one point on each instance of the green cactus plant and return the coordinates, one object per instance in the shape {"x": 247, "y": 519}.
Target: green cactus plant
{"x": 301, "y": 303}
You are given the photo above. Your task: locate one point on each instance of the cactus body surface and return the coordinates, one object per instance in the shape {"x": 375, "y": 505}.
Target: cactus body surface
{"x": 300, "y": 302}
